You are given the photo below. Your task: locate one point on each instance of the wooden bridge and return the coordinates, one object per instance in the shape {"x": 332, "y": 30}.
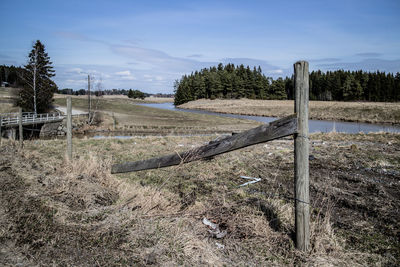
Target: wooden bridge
{"x": 10, "y": 122}
{"x": 28, "y": 118}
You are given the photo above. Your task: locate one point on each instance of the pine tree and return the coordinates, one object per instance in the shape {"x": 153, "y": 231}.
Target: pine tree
{"x": 37, "y": 92}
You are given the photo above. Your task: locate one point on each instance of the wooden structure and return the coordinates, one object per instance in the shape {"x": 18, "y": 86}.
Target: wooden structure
{"x": 69, "y": 128}
{"x": 28, "y": 118}
{"x": 15, "y": 121}
{"x": 296, "y": 124}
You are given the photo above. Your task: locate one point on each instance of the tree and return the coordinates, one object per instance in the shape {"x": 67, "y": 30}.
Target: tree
{"x": 38, "y": 88}
{"x": 136, "y": 94}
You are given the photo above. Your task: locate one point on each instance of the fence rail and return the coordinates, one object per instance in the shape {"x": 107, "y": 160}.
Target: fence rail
{"x": 12, "y": 119}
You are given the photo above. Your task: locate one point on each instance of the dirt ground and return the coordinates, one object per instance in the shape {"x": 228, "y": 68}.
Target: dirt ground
{"x": 75, "y": 213}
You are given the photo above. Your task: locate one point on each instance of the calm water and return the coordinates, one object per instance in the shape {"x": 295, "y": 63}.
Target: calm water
{"x": 314, "y": 125}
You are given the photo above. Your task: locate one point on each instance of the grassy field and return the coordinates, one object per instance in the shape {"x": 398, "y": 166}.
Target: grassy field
{"x": 371, "y": 112}
{"x": 146, "y": 100}
{"x": 6, "y": 102}
{"x": 59, "y": 212}
{"x": 55, "y": 211}
{"x": 135, "y": 118}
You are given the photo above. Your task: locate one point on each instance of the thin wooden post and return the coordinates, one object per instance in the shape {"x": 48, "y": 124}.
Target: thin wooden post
{"x": 69, "y": 128}
{"x": 114, "y": 122}
{"x": 21, "y": 136}
{"x": 301, "y": 150}
{"x": 89, "y": 102}
{"x": 1, "y": 137}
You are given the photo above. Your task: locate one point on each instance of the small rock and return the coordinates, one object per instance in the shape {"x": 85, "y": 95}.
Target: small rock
{"x": 219, "y": 246}
{"x": 151, "y": 258}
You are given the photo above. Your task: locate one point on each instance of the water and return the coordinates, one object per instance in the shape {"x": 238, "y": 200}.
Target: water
{"x": 314, "y": 125}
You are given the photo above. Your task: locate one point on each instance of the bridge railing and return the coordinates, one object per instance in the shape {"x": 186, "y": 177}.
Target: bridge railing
{"x": 28, "y": 117}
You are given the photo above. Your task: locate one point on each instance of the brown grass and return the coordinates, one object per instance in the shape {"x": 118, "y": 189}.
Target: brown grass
{"x": 372, "y": 112}
{"x": 75, "y": 213}
{"x": 125, "y": 97}
{"x": 130, "y": 117}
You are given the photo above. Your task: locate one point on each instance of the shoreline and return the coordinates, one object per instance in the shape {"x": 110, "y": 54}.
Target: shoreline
{"x": 388, "y": 113}
{"x": 310, "y": 118}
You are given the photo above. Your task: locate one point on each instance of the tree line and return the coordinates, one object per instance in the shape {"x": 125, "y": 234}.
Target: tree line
{"x": 9, "y": 76}
{"x": 232, "y": 81}
{"x": 130, "y": 93}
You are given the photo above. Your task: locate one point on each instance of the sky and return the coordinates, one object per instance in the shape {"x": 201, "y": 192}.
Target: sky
{"x": 147, "y": 45}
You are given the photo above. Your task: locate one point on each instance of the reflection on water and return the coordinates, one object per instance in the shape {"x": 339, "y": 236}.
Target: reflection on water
{"x": 314, "y": 125}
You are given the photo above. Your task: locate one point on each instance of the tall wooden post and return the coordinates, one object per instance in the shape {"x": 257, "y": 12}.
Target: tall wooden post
{"x": 21, "y": 135}
{"x": 69, "y": 128}
{"x": 301, "y": 150}
{"x": 114, "y": 122}
{"x": 1, "y": 124}
{"x": 89, "y": 102}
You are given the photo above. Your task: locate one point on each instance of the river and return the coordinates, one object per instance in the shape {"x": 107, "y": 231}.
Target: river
{"x": 314, "y": 125}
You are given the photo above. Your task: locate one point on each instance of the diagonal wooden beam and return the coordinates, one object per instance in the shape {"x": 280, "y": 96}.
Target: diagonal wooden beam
{"x": 267, "y": 132}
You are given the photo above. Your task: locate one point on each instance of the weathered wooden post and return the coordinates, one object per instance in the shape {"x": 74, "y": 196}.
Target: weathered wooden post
{"x": 1, "y": 124}
{"x": 114, "y": 122}
{"x": 89, "y": 102}
{"x": 301, "y": 153}
{"x": 21, "y": 136}
{"x": 69, "y": 128}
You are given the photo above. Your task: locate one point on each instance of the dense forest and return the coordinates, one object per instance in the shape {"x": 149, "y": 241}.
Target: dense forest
{"x": 232, "y": 81}
{"x": 11, "y": 75}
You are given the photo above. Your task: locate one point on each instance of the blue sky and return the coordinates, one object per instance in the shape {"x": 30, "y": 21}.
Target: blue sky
{"x": 146, "y": 45}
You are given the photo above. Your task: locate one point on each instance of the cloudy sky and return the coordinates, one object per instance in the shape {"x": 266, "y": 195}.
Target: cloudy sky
{"x": 147, "y": 45}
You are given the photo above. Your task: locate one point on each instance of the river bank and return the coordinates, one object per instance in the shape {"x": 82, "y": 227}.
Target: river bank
{"x": 123, "y": 115}
{"x": 369, "y": 112}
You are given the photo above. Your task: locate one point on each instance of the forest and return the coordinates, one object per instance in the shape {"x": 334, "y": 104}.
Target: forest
{"x": 236, "y": 82}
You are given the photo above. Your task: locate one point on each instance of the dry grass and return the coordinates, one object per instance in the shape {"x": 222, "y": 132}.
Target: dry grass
{"x": 373, "y": 112}
{"x": 76, "y": 213}
{"x": 7, "y": 108}
{"x": 6, "y": 100}
{"x": 130, "y": 117}
{"x": 125, "y": 97}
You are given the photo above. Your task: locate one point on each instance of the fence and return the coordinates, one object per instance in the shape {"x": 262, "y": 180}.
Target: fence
{"x": 296, "y": 125}
{"x": 13, "y": 119}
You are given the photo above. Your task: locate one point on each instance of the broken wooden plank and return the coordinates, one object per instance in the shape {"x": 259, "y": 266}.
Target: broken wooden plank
{"x": 267, "y": 132}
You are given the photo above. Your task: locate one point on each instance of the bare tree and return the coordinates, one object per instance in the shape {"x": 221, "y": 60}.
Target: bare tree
{"x": 94, "y": 112}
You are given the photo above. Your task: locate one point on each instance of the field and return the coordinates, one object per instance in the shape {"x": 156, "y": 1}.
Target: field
{"x": 372, "y": 112}
{"x": 6, "y": 103}
{"x": 75, "y": 213}
{"x": 55, "y": 211}
{"x": 140, "y": 119}
{"x": 146, "y": 100}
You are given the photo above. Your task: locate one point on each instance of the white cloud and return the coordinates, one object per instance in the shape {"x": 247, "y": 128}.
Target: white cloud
{"x": 124, "y": 73}
{"x": 277, "y": 71}
{"x": 372, "y": 64}
{"x": 128, "y": 78}
{"x": 75, "y": 70}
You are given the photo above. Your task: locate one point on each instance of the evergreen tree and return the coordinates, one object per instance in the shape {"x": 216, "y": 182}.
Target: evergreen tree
{"x": 232, "y": 81}
{"x": 277, "y": 90}
{"x": 37, "y": 92}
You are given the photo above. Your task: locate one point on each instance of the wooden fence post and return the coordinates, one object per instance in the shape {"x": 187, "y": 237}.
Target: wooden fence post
{"x": 114, "y": 122}
{"x": 301, "y": 150}
{"x": 21, "y": 135}
{"x": 1, "y": 124}
{"x": 69, "y": 128}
